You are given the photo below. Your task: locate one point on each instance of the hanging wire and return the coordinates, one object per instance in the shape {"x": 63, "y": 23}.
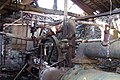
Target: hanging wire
{"x": 108, "y": 47}
{"x": 110, "y": 7}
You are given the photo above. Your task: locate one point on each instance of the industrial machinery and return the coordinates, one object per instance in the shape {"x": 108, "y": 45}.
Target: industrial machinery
{"x": 78, "y": 73}
{"x": 69, "y": 49}
{"x": 94, "y": 60}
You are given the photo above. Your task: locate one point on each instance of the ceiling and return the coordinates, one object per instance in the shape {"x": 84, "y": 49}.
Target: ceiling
{"x": 10, "y": 7}
{"x": 90, "y": 6}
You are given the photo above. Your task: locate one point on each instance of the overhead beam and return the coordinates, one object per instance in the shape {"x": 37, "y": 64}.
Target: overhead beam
{"x": 49, "y": 11}
{"x": 98, "y": 15}
{"x": 118, "y": 1}
{"x": 3, "y": 5}
{"x": 83, "y": 6}
{"x": 39, "y": 9}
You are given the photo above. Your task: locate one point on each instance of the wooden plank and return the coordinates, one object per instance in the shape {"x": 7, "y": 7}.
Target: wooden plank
{"x": 83, "y": 6}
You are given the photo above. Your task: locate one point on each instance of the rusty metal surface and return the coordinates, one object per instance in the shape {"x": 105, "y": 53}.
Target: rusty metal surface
{"x": 96, "y": 50}
{"x": 89, "y": 74}
{"x": 84, "y": 61}
{"x": 69, "y": 34}
{"x": 51, "y": 73}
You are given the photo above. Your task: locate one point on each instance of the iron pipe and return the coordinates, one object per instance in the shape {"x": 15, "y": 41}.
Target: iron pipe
{"x": 97, "y": 50}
